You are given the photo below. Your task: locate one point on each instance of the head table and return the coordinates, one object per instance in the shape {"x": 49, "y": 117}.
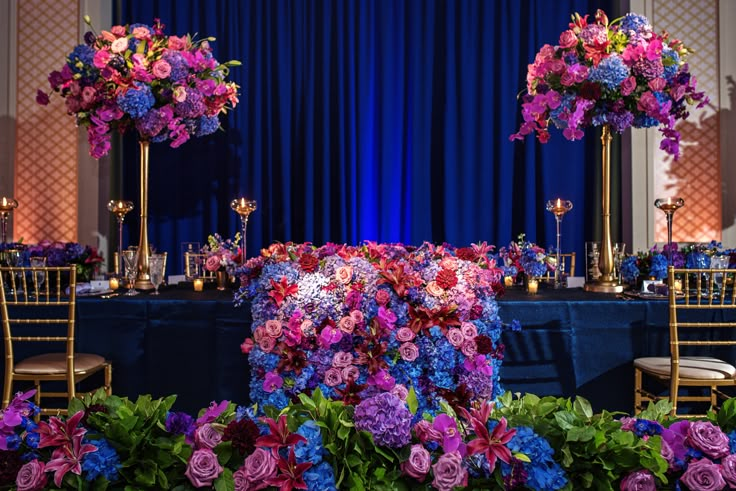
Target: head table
{"x": 188, "y": 343}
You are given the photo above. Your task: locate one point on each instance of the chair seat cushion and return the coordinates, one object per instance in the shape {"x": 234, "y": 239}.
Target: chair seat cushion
{"x": 692, "y": 367}
{"x": 55, "y": 363}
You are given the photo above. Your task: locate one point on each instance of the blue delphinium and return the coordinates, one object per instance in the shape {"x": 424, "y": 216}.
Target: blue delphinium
{"x": 104, "y": 462}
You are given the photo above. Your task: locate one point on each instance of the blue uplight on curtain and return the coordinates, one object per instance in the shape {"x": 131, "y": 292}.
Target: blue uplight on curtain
{"x": 369, "y": 120}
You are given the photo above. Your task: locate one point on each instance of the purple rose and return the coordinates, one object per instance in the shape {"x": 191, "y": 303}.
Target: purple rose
{"x": 728, "y": 469}
{"x": 638, "y": 481}
{"x": 32, "y": 476}
{"x": 667, "y": 453}
{"x": 704, "y": 436}
{"x": 203, "y": 468}
{"x": 703, "y": 475}
{"x": 449, "y": 472}
{"x": 418, "y": 464}
{"x": 259, "y": 467}
{"x": 207, "y": 437}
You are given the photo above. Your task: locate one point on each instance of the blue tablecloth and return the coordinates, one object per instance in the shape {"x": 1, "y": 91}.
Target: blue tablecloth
{"x": 188, "y": 343}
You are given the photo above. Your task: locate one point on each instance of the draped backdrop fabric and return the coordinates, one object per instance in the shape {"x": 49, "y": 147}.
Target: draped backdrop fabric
{"x": 378, "y": 120}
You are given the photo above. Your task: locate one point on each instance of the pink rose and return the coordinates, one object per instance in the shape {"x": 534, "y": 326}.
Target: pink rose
{"x": 344, "y": 274}
{"x": 177, "y": 43}
{"x": 307, "y": 327}
{"x": 32, "y": 476}
{"x": 449, "y": 472}
{"x": 434, "y": 289}
{"x": 357, "y": 316}
{"x": 382, "y": 297}
{"x": 179, "y": 94}
{"x": 118, "y": 30}
{"x": 628, "y": 86}
{"x": 709, "y": 439}
{"x": 259, "y": 334}
{"x": 469, "y": 348}
{"x": 88, "y": 95}
{"x": 119, "y": 45}
{"x": 207, "y": 437}
{"x": 342, "y": 359}
{"x": 703, "y": 475}
{"x": 409, "y": 351}
{"x": 247, "y": 346}
{"x": 728, "y": 469}
{"x": 417, "y": 466}
{"x": 346, "y": 324}
{"x": 350, "y": 373}
{"x": 455, "y": 337}
{"x": 404, "y": 334}
{"x": 568, "y": 39}
{"x": 203, "y": 468}
{"x": 333, "y": 377}
{"x": 101, "y": 58}
{"x": 448, "y": 263}
{"x": 657, "y": 84}
{"x": 469, "y": 330}
{"x": 267, "y": 344}
{"x": 259, "y": 467}
{"x": 426, "y": 432}
{"x": 141, "y": 33}
{"x": 241, "y": 480}
{"x": 273, "y": 328}
{"x": 161, "y": 69}
{"x": 212, "y": 263}
{"x": 641, "y": 480}
{"x": 400, "y": 391}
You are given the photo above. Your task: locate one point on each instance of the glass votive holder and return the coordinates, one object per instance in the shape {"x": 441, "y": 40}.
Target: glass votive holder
{"x": 508, "y": 281}
{"x": 198, "y": 284}
{"x": 532, "y": 286}
{"x": 114, "y": 283}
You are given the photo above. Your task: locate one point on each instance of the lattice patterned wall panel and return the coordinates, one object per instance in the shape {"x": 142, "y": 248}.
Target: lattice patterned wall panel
{"x": 696, "y": 177}
{"x": 46, "y": 139}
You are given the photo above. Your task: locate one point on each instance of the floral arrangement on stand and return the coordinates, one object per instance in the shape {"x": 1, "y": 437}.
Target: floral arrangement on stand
{"x": 524, "y": 258}
{"x": 222, "y": 254}
{"x": 86, "y": 258}
{"x": 652, "y": 264}
{"x": 618, "y": 73}
{"x": 135, "y": 77}
{"x": 358, "y": 321}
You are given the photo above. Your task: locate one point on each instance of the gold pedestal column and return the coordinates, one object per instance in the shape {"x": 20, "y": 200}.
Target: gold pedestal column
{"x": 606, "y": 283}
{"x": 143, "y": 280}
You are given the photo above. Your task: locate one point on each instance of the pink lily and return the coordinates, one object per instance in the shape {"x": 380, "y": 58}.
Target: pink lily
{"x": 69, "y": 458}
{"x": 57, "y": 433}
{"x": 493, "y": 444}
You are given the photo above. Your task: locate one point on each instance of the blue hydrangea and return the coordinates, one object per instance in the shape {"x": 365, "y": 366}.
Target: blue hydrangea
{"x": 610, "y": 72}
{"x": 732, "y": 441}
{"x": 206, "y": 125}
{"x": 13, "y": 441}
{"x": 104, "y": 462}
{"x": 543, "y": 472}
{"x": 658, "y": 268}
{"x": 635, "y": 23}
{"x": 697, "y": 259}
{"x": 629, "y": 269}
{"x": 179, "y": 65}
{"x": 320, "y": 478}
{"x": 671, "y": 62}
{"x": 81, "y": 58}
{"x": 311, "y": 450}
{"x": 137, "y": 101}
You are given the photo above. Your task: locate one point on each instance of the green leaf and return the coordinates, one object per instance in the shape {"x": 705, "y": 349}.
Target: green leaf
{"x": 522, "y": 457}
{"x": 411, "y": 400}
{"x": 225, "y": 481}
{"x": 565, "y": 419}
{"x": 582, "y": 406}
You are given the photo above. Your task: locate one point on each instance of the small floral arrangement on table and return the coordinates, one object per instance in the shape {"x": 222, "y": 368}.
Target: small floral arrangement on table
{"x": 620, "y": 73}
{"x": 653, "y": 263}
{"x": 358, "y": 321}
{"x": 85, "y": 257}
{"x": 522, "y": 256}
{"x": 222, "y": 254}
{"x": 137, "y": 78}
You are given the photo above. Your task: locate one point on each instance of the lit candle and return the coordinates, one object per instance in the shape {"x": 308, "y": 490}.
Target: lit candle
{"x": 5, "y": 202}
{"x": 559, "y": 203}
{"x": 678, "y": 286}
{"x": 114, "y": 283}
{"x": 508, "y": 281}
{"x": 532, "y": 286}
{"x": 198, "y": 284}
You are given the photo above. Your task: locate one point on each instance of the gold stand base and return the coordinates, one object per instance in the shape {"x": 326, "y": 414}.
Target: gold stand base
{"x": 603, "y": 287}
{"x": 143, "y": 285}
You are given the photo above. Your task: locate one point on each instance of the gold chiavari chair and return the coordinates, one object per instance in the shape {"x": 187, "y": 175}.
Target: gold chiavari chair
{"x": 36, "y": 309}
{"x": 568, "y": 263}
{"x": 702, "y": 317}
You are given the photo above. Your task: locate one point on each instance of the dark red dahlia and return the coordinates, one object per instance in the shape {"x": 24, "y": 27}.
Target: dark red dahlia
{"x": 446, "y": 278}
{"x": 484, "y": 344}
{"x": 243, "y": 434}
{"x": 308, "y": 262}
{"x": 94, "y": 408}
{"x": 466, "y": 253}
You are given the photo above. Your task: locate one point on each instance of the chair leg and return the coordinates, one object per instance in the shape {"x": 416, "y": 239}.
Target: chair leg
{"x": 108, "y": 379}
{"x": 637, "y": 390}
{"x": 7, "y": 389}
{"x": 713, "y": 397}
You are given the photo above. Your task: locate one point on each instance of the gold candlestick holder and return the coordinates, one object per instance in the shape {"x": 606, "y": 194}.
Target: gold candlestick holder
{"x": 243, "y": 207}
{"x": 669, "y": 206}
{"x": 558, "y": 208}
{"x": 120, "y": 209}
{"x": 7, "y": 205}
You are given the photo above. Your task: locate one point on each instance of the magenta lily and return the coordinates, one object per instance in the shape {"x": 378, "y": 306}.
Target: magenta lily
{"x": 69, "y": 458}
{"x": 58, "y": 433}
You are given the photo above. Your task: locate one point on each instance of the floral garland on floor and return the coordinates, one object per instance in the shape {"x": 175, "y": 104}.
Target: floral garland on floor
{"x": 357, "y": 321}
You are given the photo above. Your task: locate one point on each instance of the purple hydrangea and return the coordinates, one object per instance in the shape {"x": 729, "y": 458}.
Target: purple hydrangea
{"x": 191, "y": 107}
{"x": 179, "y": 423}
{"x": 387, "y": 418}
{"x": 179, "y": 65}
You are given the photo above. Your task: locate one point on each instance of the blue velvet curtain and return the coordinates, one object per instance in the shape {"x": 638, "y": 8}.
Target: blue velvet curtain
{"x": 382, "y": 120}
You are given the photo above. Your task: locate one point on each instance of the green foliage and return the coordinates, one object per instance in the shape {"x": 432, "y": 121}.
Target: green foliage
{"x": 592, "y": 448}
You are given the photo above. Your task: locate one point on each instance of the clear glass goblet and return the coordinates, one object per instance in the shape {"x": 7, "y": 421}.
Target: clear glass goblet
{"x": 130, "y": 257}
{"x": 38, "y": 276}
{"x": 156, "y": 270}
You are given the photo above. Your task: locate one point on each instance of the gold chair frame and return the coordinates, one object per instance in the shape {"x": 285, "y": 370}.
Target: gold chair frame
{"x": 564, "y": 258}
{"x": 17, "y": 293}
{"x": 699, "y": 293}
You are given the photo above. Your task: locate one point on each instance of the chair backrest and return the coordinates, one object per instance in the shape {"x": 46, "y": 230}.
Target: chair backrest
{"x": 568, "y": 266}
{"x": 702, "y": 309}
{"x": 44, "y": 290}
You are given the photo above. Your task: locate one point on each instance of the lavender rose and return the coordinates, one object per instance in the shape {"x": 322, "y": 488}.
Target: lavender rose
{"x": 207, "y": 437}
{"x": 32, "y": 476}
{"x": 638, "y": 481}
{"x": 728, "y": 469}
{"x": 258, "y": 467}
{"x": 241, "y": 480}
{"x": 703, "y": 475}
{"x": 708, "y": 438}
{"x": 203, "y": 468}
{"x": 449, "y": 472}
{"x": 418, "y": 464}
